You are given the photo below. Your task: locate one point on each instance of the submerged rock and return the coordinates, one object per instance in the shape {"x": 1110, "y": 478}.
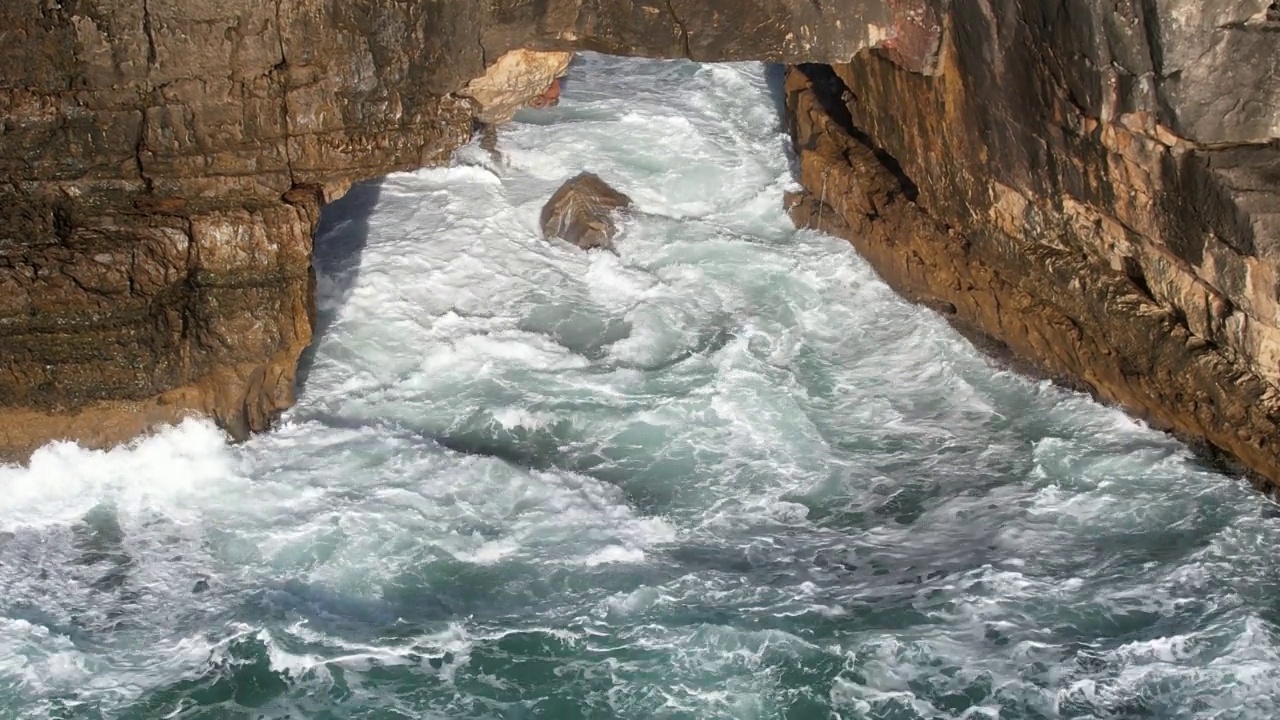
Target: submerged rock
{"x": 582, "y": 212}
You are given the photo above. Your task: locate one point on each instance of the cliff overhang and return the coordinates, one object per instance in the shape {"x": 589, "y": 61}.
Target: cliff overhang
{"x": 1094, "y": 186}
{"x": 164, "y": 163}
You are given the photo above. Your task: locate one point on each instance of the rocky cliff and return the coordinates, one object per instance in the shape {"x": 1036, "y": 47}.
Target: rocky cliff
{"x": 163, "y": 162}
{"x": 1092, "y": 185}
{"x": 1095, "y": 186}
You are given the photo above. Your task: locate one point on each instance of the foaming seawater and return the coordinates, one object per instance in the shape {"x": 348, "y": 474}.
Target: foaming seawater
{"x": 725, "y": 473}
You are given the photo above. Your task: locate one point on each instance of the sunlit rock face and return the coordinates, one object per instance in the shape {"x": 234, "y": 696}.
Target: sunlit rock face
{"x": 1094, "y": 188}
{"x": 518, "y": 79}
{"x": 1107, "y": 171}
{"x": 164, "y": 163}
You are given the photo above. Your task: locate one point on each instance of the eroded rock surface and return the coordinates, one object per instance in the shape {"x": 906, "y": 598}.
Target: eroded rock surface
{"x": 1094, "y": 184}
{"x": 1096, "y": 187}
{"x": 162, "y": 166}
{"x": 582, "y": 211}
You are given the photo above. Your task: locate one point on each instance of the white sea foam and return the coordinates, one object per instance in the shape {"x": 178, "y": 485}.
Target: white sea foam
{"x": 63, "y": 481}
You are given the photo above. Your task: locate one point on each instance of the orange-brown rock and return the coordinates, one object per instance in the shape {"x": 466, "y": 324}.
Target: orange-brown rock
{"x": 549, "y": 98}
{"x": 163, "y": 162}
{"x": 1055, "y": 186}
{"x": 582, "y": 211}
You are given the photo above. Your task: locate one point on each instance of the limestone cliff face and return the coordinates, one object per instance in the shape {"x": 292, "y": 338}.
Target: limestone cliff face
{"x": 1094, "y": 185}
{"x": 163, "y": 162}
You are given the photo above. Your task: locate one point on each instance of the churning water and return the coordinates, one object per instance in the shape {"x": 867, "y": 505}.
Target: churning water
{"x": 723, "y": 474}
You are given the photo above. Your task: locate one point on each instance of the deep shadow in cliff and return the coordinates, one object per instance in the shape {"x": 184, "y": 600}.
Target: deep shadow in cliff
{"x": 775, "y": 78}
{"x": 833, "y": 95}
{"x": 340, "y": 240}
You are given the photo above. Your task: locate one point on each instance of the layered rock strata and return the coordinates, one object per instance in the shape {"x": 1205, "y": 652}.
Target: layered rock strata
{"x": 1095, "y": 186}
{"x": 1092, "y": 184}
{"x": 163, "y": 162}
{"x": 582, "y": 211}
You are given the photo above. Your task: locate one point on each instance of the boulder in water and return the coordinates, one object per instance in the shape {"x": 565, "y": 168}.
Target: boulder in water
{"x": 582, "y": 212}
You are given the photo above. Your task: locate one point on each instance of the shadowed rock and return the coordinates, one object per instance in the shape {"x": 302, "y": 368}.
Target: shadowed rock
{"x": 582, "y": 212}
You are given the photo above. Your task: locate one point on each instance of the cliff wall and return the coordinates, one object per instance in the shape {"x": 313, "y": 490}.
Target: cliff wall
{"x": 1091, "y": 186}
{"x": 1095, "y": 186}
{"x": 163, "y": 162}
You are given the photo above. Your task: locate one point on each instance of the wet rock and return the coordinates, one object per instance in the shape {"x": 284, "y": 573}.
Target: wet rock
{"x": 164, "y": 165}
{"x": 549, "y": 98}
{"x": 582, "y": 212}
{"x": 1120, "y": 232}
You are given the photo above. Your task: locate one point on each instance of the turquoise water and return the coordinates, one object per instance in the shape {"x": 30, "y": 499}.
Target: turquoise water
{"x": 725, "y": 473}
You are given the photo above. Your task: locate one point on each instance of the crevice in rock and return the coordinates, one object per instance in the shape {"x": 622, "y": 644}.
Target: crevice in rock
{"x": 139, "y": 148}
{"x": 141, "y": 145}
{"x": 684, "y": 30}
{"x": 150, "y": 32}
{"x": 62, "y": 224}
{"x": 1150, "y": 13}
{"x": 1133, "y": 270}
{"x": 833, "y": 94}
{"x": 281, "y": 70}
